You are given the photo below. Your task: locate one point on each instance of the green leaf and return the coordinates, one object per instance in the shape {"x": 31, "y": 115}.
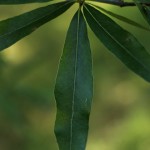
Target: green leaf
{"x": 14, "y": 29}
{"x": 120, "y": 42}
{"x": 109, "y": 1}
{"x": 73, "y": 90}
{"x": 120, "y": 3}
{"x": 121, "y": 18}
{"x": 145, "y": 10}
{"x": 2, "y": 2}
{"x": 143, "y": 1}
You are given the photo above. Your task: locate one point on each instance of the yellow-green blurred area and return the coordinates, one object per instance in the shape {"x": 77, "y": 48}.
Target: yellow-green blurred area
{"x": 120, "y": 117}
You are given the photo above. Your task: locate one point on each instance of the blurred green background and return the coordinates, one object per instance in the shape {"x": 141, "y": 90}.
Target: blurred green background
{"x": 120, "y": 117}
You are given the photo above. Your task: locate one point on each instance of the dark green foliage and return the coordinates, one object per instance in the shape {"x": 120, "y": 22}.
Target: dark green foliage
{"x": 14, "y": 29}
{"x": 121, "y": 18}
{"x": 145, "y": 10}
{"x": 22, "y": 1}
{"x": 74, "y": 83}
{"x": 74, "y": 87}
{"x": 119, "y": 42}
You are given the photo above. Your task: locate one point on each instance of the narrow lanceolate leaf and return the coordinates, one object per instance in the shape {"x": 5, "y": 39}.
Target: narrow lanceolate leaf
{"x": 73, "y": 91}
{"x": 121, "y": 18}
{"x": 120, "y": 42}
{"x": 21, "y": 1}
{"x": 14, "y": 29}
{"x": 115, "y": 2}
{"x": 123, "y": 3}
{"x": 109, "y": 1}
{"x": 145, "y": 10}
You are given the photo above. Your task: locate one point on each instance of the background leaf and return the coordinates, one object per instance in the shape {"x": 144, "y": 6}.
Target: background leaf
{"x": 119, "y": 42}
{"x": 73, "y": 91}
{"x": 14, "y": 29}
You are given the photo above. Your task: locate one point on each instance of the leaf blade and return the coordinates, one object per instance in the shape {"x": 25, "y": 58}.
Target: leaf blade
{"x": 106, "y": 1}
{"x": 14, "y": 29}
{"x": 6, "y": 2}
{"x": 121, "y": 43}
{"x": 144, "y": 9}
{"x": 121, "y": 18}
{"x": 143, "y": 1}
{"x": 73, "y": 90}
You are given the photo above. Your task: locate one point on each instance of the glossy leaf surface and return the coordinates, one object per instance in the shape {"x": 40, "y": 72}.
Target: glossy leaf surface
{"x": 14, "y": 29}
{"x": 120, "y": 42}
{"x": 74, "y": 89}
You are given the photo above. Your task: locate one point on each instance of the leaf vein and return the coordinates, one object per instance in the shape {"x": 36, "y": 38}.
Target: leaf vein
{"x": 75, "y": 77}
{"x": 115, "y": 40}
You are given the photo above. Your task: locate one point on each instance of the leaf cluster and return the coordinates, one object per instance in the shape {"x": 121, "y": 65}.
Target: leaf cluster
{"x": 74, "y": 83}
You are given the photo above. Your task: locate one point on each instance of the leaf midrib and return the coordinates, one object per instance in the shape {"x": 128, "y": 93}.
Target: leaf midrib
{"x": 115, "y": 40}
{"x": 32, "y": 22}
{"x": 75, "y": 77}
